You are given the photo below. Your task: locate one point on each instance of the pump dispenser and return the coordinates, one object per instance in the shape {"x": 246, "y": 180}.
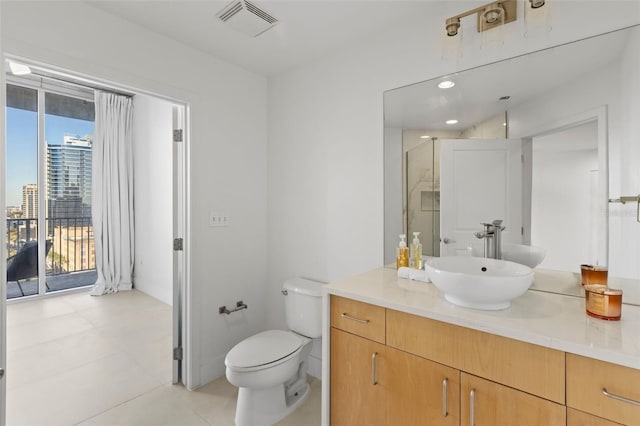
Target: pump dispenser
{"x": 402, "y": 256}
{"x": 416, "y": 252}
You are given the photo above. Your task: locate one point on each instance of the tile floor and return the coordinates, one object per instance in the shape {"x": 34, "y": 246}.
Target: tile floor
{"x": 83, "y": 360}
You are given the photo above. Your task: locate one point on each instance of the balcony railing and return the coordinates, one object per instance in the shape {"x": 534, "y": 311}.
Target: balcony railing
{"x": 72, "y": 249}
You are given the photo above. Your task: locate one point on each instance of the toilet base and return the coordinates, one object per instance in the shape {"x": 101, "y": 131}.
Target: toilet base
{"x": 264, "y": 407}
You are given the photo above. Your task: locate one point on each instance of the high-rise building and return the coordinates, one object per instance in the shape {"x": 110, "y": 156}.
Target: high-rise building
{"x": 69, "y": 178}
{"x": 30, "y": 200}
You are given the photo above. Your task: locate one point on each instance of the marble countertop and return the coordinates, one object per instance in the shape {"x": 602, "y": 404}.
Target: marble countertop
{"x": 552, "y": 320}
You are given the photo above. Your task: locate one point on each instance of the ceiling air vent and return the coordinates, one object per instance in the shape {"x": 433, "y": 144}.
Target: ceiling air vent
{"x": 246, "y": 17}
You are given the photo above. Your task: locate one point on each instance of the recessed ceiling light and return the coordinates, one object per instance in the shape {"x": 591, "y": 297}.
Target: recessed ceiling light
{"x": 19, "y": 69}
{"x": 452, "y": 121}
{"x": 425, "y": 137}
{"x": 447, "y": 84}
{"x": 504, "y": 124}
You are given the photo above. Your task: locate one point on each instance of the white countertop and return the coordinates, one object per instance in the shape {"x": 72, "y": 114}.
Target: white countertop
{"x": 552, "y": 320}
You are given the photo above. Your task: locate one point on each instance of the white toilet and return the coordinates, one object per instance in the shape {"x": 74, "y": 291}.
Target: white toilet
{"x": 270, "y": 368}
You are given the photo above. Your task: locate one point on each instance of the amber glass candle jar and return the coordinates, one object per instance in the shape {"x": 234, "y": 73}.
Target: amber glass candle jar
{"x": 603, "y": 302}
{"x": 594, "y": 274}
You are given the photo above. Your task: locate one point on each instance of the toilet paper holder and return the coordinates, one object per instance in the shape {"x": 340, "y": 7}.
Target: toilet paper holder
{"x": 239, "y": 306}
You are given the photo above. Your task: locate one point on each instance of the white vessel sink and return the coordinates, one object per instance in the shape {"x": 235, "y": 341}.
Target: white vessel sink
{"x": 526, "y": 255}
{"x": 479, "y": 283}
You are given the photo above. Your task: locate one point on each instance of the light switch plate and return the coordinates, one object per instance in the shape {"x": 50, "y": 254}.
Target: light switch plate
{"x": 217, "y": 219}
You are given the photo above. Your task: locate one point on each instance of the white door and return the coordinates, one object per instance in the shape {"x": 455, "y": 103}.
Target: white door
{"x": 480, "y": 181}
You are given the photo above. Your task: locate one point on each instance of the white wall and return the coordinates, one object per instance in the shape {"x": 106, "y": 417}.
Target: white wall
{"x": 153, "y": 192}
{"x": 326, "y": 134}
{"x": 227, "y": 153}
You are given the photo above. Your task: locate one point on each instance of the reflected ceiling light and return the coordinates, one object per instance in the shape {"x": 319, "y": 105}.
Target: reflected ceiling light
{"x": 19, "y": 69}
{"x": 489, "y": 16}
{"x": 447, "y": 84}
{"x": 452, "y": 122}
{"x": 425, "y": 137}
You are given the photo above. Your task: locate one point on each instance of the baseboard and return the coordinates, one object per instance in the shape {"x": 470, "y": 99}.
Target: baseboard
{"x": 212, "y": 370}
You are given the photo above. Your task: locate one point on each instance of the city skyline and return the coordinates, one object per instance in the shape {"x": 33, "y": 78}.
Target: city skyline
{"x": 22, "y": 146}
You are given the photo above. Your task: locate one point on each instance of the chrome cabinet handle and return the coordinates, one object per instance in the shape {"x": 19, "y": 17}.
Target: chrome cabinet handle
{"x": 344, "y": 315}
{"x": 444, "y": 397}
{"x": 620, "y": 398}
{"x": 472, "y": 408}
{"x": 448, "y": 240}
{"x": 373, "y": 368}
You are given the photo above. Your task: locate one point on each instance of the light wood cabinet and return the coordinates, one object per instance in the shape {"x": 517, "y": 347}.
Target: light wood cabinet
{"x": 579, "y": 418}
{"x": 388, "y": 368}
{"x": 488, "y": 403}
{"x": 356, "y": 398}
{"x": 359, "y": 318}
{"x": 419, "y": 391}
{"x": 531, "y": 368}
{"x": 605, "y": 390}
{"x": 372, "y": 384}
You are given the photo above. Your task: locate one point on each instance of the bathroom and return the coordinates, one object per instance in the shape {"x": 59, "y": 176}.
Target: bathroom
{"x": 302, "y": 184}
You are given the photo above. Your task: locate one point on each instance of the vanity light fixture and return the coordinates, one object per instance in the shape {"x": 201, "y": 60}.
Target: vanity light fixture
{"x": 447, "y": 84}
{"x": 451, "y": 121}
{"x": 490, "y": 15}
{"x": 425, "y": 137}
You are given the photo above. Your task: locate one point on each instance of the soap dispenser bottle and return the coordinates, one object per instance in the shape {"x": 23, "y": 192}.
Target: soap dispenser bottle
{"x": 416, "y": 252}
{"x": 402, "y": 256}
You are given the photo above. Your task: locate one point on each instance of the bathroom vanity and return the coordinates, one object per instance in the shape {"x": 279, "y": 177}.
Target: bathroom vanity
{"x": 397, "y": 353}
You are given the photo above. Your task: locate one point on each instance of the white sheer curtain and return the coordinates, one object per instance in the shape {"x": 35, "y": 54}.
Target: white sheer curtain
{"x": 112, "y": 193}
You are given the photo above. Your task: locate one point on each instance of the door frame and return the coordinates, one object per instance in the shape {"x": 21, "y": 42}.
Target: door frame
{"x": 600, "y": 116}
{"x": 3, "y": 247}
{"x": 183, "y": 183}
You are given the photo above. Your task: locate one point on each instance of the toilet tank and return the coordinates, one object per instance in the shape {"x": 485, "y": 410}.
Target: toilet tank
{"x": 303, "y": 306}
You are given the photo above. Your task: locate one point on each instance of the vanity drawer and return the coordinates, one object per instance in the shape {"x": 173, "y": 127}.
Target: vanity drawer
{"x": 578, "y": 418}
{"x": 358, "y": 318}
{"x": 586, "y": 380}
{"x": 531, "y": 368}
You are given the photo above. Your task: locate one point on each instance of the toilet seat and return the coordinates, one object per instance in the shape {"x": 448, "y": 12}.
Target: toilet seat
{"x": 263, "y": 350}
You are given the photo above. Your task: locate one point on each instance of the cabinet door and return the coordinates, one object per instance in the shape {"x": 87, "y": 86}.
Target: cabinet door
{"x": 419, "y": 391}
{"x": 488, "y": 403}
{"x": 357, "y": 366}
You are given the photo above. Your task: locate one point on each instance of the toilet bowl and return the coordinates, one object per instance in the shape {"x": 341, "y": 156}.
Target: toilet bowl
{"x": 270, "y": 368}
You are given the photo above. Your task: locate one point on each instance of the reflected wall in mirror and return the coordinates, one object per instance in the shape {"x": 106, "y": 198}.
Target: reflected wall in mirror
{"x": 573, "y": 111}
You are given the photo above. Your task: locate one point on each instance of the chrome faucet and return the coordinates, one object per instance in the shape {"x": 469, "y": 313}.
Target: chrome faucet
{"x": 492, "y": 236}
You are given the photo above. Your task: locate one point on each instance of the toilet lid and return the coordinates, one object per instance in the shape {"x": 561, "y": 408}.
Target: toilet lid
{"x": 263, "y": 348}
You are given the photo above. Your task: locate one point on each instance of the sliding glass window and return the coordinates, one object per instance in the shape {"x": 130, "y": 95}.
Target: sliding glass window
{"x": 48, "y": 185}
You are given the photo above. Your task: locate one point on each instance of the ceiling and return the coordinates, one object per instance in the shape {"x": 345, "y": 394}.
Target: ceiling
{"x": 307, "y": 29}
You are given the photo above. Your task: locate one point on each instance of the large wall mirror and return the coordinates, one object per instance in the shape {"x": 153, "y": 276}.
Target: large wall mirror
{"x": 545, "y": 142}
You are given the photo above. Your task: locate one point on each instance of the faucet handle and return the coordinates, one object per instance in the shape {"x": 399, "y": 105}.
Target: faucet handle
{"x": 497, "y": 222}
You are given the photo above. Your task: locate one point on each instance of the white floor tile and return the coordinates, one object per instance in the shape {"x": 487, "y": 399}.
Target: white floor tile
{"x": 160, "y": 407}
{"x": 41, "y": 361}
{"x": 81, "y": 359}
{"x": 32, "y": 333}
{"x": 75, "y": 395}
